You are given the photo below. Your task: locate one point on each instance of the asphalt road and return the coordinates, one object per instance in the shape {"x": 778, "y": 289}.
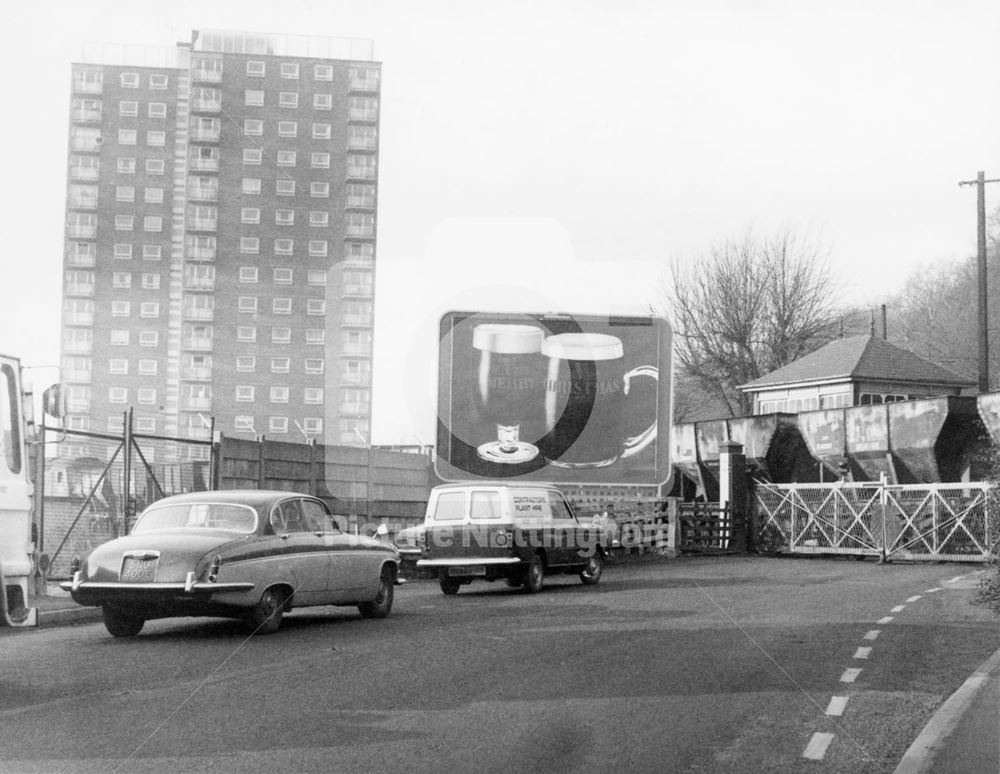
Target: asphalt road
{"x": 739, "y": 664}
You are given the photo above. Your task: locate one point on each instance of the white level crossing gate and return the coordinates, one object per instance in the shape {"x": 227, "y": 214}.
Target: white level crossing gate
{"x": 938, "y": 522}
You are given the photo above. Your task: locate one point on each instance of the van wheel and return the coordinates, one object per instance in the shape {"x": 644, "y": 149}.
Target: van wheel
{"x": 382, "y": 604}
{"x": 591, "y": 574}
{"x": 449, "y": 585}
{"x": 265, "y": 617}
{"x": 535, "y": 576}
{"x": 121, "y": 624}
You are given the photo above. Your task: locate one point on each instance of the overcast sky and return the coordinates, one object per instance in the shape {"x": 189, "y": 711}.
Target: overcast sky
{"x": 541, "y": 155}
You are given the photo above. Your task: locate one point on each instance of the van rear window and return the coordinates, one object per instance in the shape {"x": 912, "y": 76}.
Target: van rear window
{"x": 450, "y": 506}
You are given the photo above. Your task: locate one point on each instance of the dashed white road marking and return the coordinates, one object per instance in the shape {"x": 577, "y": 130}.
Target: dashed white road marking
{"x": 956, "y": 579}
{"x": 914, "y": 599}
{"x": 931, "y": 591}
{"x": 898, "y": 609}
{"x": 885, "y": 620}
{"x": 850, "y": 675}
{"x": 836, "y": 706}
{"x": 816, "y": 748}
{"x": 873, "y": 634}
{"x": 862, "y": 653}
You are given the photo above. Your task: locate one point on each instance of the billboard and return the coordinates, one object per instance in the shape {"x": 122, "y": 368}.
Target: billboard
{"x": 582, "y": 399}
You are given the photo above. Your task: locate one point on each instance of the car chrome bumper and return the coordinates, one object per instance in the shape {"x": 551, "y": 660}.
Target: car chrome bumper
{"x": 468, "y": 561}
{"x": 189, "y": 586}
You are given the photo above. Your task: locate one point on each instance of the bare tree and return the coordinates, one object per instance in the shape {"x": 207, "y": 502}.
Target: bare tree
{"x": 748, "y": 307}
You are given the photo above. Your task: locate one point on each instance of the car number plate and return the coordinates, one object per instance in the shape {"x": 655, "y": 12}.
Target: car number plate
{"x": 138, "y": 570}
{"x": 466, "y": 571}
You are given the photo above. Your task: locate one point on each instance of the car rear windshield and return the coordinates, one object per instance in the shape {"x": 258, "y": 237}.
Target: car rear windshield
{"x": 239, "y": 518}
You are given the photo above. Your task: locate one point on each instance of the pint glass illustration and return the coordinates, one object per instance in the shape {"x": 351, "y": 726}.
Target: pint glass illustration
{"x": 585, "y": 393}
{"x": 509, "y": 391}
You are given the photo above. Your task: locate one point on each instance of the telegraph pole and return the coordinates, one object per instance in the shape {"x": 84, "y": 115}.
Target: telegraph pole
{"x": 984, "y": 341}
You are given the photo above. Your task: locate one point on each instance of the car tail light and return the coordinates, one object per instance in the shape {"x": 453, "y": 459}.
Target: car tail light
{"x": 213, "y": 571}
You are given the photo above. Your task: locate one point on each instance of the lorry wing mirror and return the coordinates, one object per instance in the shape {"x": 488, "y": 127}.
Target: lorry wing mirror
{"x": 54, "y": 401}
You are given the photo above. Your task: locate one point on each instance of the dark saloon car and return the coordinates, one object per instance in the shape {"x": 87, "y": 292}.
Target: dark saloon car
{"x": 252, "y": 555}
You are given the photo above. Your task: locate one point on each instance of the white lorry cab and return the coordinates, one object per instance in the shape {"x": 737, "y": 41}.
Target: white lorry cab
{"x": 17, "y": 547}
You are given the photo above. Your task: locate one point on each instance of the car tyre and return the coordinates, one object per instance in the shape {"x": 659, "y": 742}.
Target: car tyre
{"x": 449, "y": 585}
{"x": 382, "y": 604}
{"x": 591, "y": 574}
{"x": 534, "y": 578}
{"x": 121, "y": 624}
{"x": 266, "y": 616}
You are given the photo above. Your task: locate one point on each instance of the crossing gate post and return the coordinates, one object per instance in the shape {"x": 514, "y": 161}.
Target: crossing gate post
{"x": 733, "y": 494}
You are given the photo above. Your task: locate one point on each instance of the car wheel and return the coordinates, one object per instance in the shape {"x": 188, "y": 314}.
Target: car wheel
{"x": 535, "y": 576}
{"x": 449, "y": 585}
{"x": 265, "y": 618}
{"x": 120, "y": 624}
{"x": 592, "y": 572}
{"x": 382, "y": 604}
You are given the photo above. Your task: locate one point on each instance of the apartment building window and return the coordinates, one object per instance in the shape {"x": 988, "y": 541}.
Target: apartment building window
{"x": 81, "y": 253}
{"x": 284, "y": 217}
{"x": 319, "y": 218}
{"x": 128, "y": 108}
{"x": 145, "y": 424}
{"x": 321, "y": 131}
{"x": 362, "y": 109}
{"x": 289, "y": 70}
{"x": 362, "y": 167}
{"x": 80, "y": 283}
{"x": 153, "y": 195}
{"x": 251, "y": 185}
{"x": 288, "y": 128}
{"x": 315, "y": 336}
{"x": 246, "y": 363}
{"x": 255, "y": 69}
{"x": 118, "y": 395}
{"x": 127, "y": 136}
{"x": 281, "y": 306}
{"x": 286, "y": 158}
{"x": 118, "y": 366}
{"x": 361, "y": 224}
{"x": 244, "y": 393}
{"x": 282, "y": 276}
{"x": 156, "y": 138}
{"x": 243, "y": 422}
{"x": 249, "y": 245}
{"x": 152, "y": 252}
{"x": 360, "y": 253}
{"x": 126, "y": 166}
{"x": 312, "y": 395}
{"x": 148, "y": 367}
{"x": 122, "y": 251}
{"x": 152, "y": 223}
{"x": 319, "y": 160}
{"x": 312, "y": 425}
{"x": 246, "y": 333}
{"x": 248, "y": 274}
{"x": 145, "y": 395}
{"x": 361, "y": 137}
{"x": 247, "y": 304}
{"x": 250, "y": 215}
{"x": 149, "y": 309}
{"x": 319, "y": 190}
{"x": 278, "y": 395}
{"x": 120, "y": 337}
{"x": 253, "y": 97}
{"x": 154, "y": 166}
{"x": 253, "y": 127}
{"x": 323, "y": 72}
{"x": 123, "y": 222}
{"x": 78, "y": 339}
{"x": 284, "y": 246}
{"x": 204, "y": 158}
{"x": 285, "y": 187}
{"x": 151, "y": 281}
{"x": 281, "y": 365}
{"x": 313, "y": 365}
{"x": 277, "y": 424}
{"x": 158, "y": 81}
{"x": 318, "y": 248}
{"x": 252, "y": 156}
{"x": 360, "y": 195}
{"x": 316, "y": 277}
{"x": 322, "y": 101}
{"x": 281, "y": 335}
{"x": 121, "y": 308}
{"x": 288, "y": 99}
{"x": 315, "y": 306}
{"x": 156, "y": 110}
{"x": 124, "y": 193}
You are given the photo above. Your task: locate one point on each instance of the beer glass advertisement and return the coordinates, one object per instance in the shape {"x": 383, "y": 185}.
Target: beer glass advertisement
{"x": 582, "y": 399}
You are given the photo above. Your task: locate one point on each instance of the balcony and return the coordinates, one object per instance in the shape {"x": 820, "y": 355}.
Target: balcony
{"x": 355, "y": 380}
{"x": 202, "y": 224}
{"x": 196, "y": 373}
{"x": 201, "y": 253}
{"x": 356, "y": 351}
{"x": 81, "y": 260}
{"x": 361, "y": 173}
{"x": 76, "y": 375}
{"x": 197, "y": 343}
{"x": 360, "y": 260}
{"x": 72, "y": 347}
{"x": 78, "y": 406}
{"x": 201, "y": 315}
{"x": 361, "y": 143}
{"x": 206, "y": 105}
{"x": 83, "y": 201}
{"x": 192, "y": 403}
{"x": 355, "y": 409}
{"x": 203, "y": 193}
{"x": 84, "y": 86}
{"x": 362, "y": 114}
{"x": 363, "y": 291}
{"x": 85, "y": 144}
{"x": 83, "y": 173}
{"x": 358, "y": 320}
{"x": 205, "y": 134}
{"x": 81, "y": 231}
{"x": 198, "y": 164}
{"x": 363, "y": 84}
{"x": 198, "y": 433}
{"x": 79, "y": 318}
{"x": 205, "y": 75}
{"x": 199, "y": 283}
{"x": 363, "y": 201}
{"x": 360, "y": 231}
